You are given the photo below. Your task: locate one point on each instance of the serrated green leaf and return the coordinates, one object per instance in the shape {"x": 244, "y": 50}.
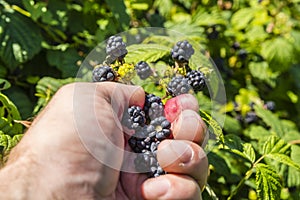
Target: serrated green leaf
{"x": 214, "y": 125}
{"x": 219, "y": 163}
{"x": 249, "y": 152}
{"x": 20, "y": 39}
{"x": 275, "y": 145}
{"x": 146, "y": 52}
{"x": 294, "y": 174}
{"x": 9, "y": 113}
{"x": 279, "y": 52}
{"x": 284, "y": 159}
{"x": 268, "y": 183}
{"x": 270, "y": 119}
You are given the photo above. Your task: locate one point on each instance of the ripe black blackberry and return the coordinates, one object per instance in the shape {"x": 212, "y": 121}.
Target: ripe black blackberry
{"x": 153, "y": 107}
{"x": 116, "y": 48}
{"x": 270, "y": 105}
{"x": 178, "y": 85}
{"x": 143, "y": 70}
{"x": 134, "y": 118}
{"x": 103, "y": 73}
{"x": 250, "y": 117}
{"x": 159, "y": 128}
{"x": 182, "y": 51}
{"x": 196, "y": 79}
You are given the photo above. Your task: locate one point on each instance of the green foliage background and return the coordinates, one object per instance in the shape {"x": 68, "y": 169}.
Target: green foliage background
{"x": 254, "y": 44}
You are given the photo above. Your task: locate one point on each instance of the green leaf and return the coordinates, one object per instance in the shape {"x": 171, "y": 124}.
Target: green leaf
{"x": 284, "y": 159}
{"x": 146, "y": 52}
{"x": 204, "y": 18}
{"x": 118, "y": 9}
{"x": 270, "y": 119}
{"x": 214, "y": 125}
{"x": 9, "y": 113}
{"x": 261, "y": 71}
{"x": 4, "y": 84}
{"x": 20, "y": 39}
{"x": 249, "y": 152}
{"x": 275, "y": 145}
{"x": 242, "y": 18}
{"x": 279, "y": 52}
{"x": 46, "y": 88}
{"x": 293, "y": 173}
{"x": 268, "y": 183}
{"x": 65, "y": 61}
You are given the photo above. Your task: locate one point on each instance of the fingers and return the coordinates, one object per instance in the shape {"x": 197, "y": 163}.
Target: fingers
{"x": 171, "y": 186}
{"x": 183, "y": 157}
{"x": 176, "y": 105}
{"x": 189, "y": 126}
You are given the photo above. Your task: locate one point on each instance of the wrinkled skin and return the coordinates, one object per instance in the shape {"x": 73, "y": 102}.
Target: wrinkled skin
{"x": 74, "y": 150}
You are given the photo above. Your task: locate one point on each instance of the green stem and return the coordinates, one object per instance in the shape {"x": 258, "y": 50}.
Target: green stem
{"x": 246, "y": 177}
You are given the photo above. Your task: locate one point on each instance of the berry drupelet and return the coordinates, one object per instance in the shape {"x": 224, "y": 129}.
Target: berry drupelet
{"x": 143, "y": 70}
{"x": 182, "y": 51}
{"x": 103, "y": 73}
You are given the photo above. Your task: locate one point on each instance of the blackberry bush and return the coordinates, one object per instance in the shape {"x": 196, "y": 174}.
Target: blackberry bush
{"x": 149, "y": 124}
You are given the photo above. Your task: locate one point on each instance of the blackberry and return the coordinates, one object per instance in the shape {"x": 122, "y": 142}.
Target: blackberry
{"x": 116, "y": 48}
{"x": 103, "y": 73}
{"x": 242, "y": 54}
{"x": 159, "y": 128}
{"x": 153, "y": 107}
{"x": 178, "y": 85}
{"x": 250, "y": 117}
{"x": 270, "y": 105}
{"x": 143, "y": 70}
{"x": 182, "y": 51}
{"x": 196, "y": 80}
{"x": 134, "y": 118}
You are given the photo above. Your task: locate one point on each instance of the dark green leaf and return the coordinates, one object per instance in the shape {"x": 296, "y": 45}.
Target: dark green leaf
{"x": 268, "y": 183}
{"x": 21, "y": 39}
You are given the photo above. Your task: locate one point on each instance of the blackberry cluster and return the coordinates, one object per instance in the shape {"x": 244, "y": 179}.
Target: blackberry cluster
{"x": 116, "y": 48}
{"x": 103, "y": 73}
{"x": 148, "y": 134}
{"x": 196, "y": 79}
{"x": 143, "y": 70}
{"x": 182, "y": 51}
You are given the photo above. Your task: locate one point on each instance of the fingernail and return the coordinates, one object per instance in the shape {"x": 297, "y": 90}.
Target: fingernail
{"x": 182, "y": 150}
{"x": 156, "y": 187}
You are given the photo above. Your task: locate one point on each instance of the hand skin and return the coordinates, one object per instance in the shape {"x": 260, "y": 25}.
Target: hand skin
{"x": 51, "y": 161}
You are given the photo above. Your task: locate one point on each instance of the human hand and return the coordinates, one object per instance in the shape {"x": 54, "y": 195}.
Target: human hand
{"x": 75, "y": 150}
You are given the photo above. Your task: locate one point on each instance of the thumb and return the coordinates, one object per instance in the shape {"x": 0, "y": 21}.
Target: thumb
{"x": 120, "y": 96}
